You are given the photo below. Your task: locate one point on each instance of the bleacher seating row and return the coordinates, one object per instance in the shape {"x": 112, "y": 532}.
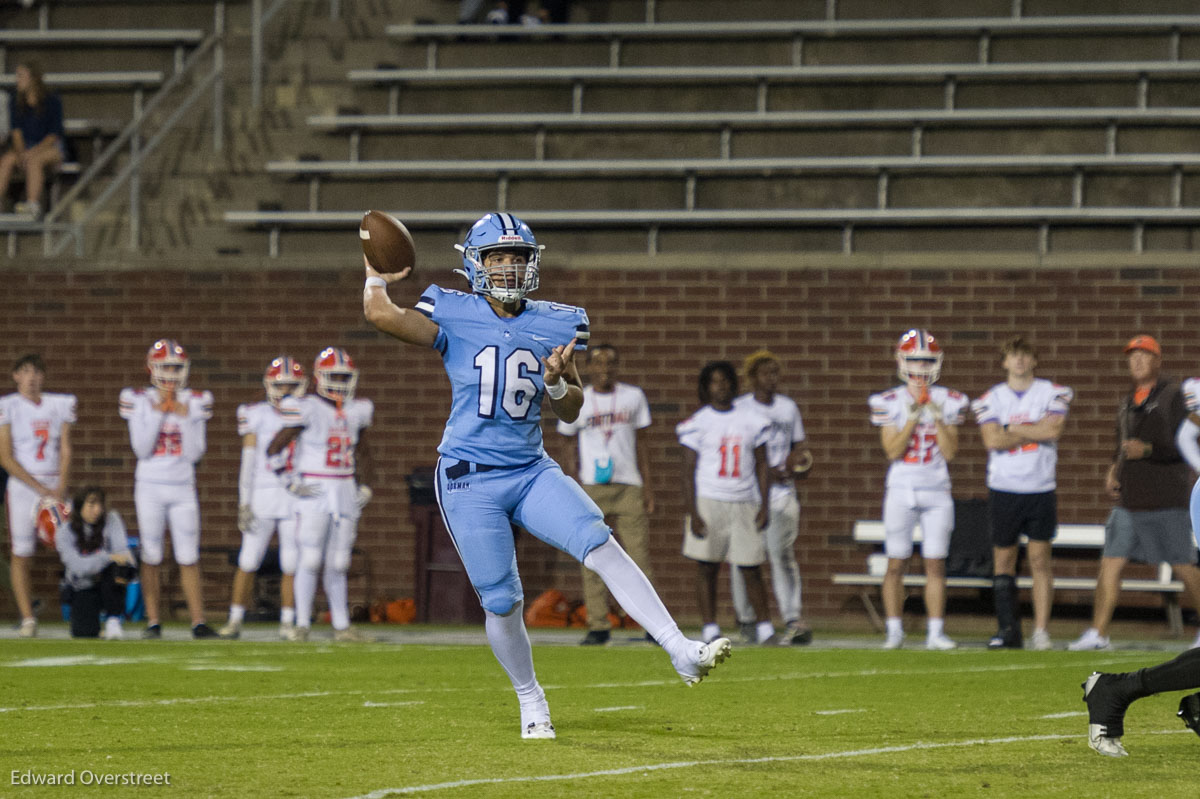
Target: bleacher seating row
{"x": 985, "y": 122}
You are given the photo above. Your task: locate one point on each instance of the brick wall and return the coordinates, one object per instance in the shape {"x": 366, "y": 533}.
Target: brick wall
{"x": 833, "y": 329}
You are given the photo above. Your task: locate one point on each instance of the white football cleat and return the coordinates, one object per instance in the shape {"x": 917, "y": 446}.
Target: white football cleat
{"x": 285, "y": 630}
{"x": 1040, "y": 641}
{"x": 708, "y": 656}
{"x": 230, "y": 630}
{"x": 1090, "y": 640}
{"x": 1106, "y": 713}
{"x": 298, "y": 634}
{"x": 28, "y": 628}
{"x": 1109, "y": 747}
{"x": 940, "y": 643}
{"x": 112, "y": 629}
{"x": 538, "y": 729}
{"x": 893, "y": 641}
{"x": 352, "y": 635}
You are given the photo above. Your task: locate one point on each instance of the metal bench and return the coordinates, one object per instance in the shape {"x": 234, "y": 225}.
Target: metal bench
{"x": 179, "y": 39}
{"x": 1069, "y": 536}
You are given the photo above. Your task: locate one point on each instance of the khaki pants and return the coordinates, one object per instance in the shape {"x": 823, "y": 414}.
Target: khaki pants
{"x": 623, "y": 510}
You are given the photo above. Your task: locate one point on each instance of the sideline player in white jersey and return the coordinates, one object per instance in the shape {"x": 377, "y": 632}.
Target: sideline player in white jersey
{"x": 1021, "y": 420}
{"x": 918, "y": 428}
{"x": 264, "y": 504}
{"x": 167, "y": 430}
{"x": 331, "y": 469}
{"x": 503, "y": 355}
{"x": 787, "y": 459}
{"x": 35, "y": 450}
{"x": 725, "y": 489}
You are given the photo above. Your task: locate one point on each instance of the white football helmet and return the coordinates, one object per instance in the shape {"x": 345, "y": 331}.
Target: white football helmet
{"x": 918, "y": 358}
{"x": 335, "y": 374}
{"x": 507, "y": 282}
{"x": 167, "y": 363}
{"x": 284, "y": 376}
{"x": 49, "y": 516}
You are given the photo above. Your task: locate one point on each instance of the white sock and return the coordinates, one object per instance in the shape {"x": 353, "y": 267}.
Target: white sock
{"x": 113, "y": 623}
{"x": 636, "y": 595}
{"x": 764, "y": 630}
{"x": 287, "y": 616}
{"x": 236, "y": 614}
{"x": 336, "y": 592}
{"x": 510, "y": 644}
{"x": 934, "y": 626}
{"x": 305, "y": 588}
{"x": 895, "y": 625}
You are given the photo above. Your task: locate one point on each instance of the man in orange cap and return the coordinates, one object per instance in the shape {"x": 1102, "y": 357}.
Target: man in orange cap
{"x": 1151, "y": 483}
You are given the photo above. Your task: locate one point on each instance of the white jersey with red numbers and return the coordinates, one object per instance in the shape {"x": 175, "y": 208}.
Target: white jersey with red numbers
{"x": 607, "y": 429}
{"x": 263, "y": 420}
{"x": 35, "y": 429}
{"x": 1028, "y": 469}
{"x": 922, "y": 465}
{"x": 326, "y": 447}
{"x": 167, "y": 445}
{"x": 1191, "y": 394}
{"x": 786, "y": 431}
{"x": 724, "y": 443}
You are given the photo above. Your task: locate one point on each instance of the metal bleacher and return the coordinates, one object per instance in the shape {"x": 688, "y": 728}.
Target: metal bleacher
{"x": 1035, "y": 123}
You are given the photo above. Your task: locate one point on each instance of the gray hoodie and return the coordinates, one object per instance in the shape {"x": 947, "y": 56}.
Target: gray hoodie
{"x": 82, "y": 569}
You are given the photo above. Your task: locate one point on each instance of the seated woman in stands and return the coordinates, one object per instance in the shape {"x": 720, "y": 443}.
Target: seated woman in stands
{"x": 37, "y": 143}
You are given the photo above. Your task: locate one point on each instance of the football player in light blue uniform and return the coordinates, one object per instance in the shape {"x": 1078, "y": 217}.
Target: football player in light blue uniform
{"x": 502, "y": 353}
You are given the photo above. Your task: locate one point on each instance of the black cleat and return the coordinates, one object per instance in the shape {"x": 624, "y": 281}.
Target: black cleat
{"x": 1189, "y": 712}
{"x": 595, "y": 638}
{"x": 1107, "y": 704}
{"x": 153, "y": 631}
{"x": 202, "y": 630}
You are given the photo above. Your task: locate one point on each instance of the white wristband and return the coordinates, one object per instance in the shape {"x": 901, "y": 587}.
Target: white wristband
{"x": 557, "y": 391}
{"x": 375, "y": 281}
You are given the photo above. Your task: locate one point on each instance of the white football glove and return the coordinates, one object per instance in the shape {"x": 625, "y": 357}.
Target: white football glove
{"x": 363, "y": 496}
{"x": 296, "y": 486}
{"x": 245, "y": 519}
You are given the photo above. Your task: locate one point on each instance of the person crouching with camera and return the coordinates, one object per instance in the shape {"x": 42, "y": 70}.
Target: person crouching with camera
{"x": 98, "y": 563}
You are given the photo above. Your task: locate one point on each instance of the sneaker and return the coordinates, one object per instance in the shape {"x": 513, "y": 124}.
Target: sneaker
{"x": 799, "y": 633}
{"x": 202, "y": 630}
{"x": 298, "y": 634}
{"x": 351, "y": 635}
{"x": 538, "y": 729}
{"x": 595, "y": 638}
{"x": 112, "y": 629}
{"x": 747, "y": 632}
{"x": 230, "y": 630}
{"x": 1040, "y": 642}
{"x": 708, "y": 656}
{"x": 1091, "y": 639}
{"x": 153, "y": 631}
{"x": 285, "y": 630}
{"x": 1005, "y": 640}
{"x": 939, "y": 643}
{"x": 28, "y": 628}
{"x": 1106, "y": 714}
{"x": 893, "y": 641}
{"x": 1189, "y": 712}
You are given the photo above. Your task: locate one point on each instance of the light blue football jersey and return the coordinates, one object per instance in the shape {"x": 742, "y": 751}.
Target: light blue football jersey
{"x": 495, "y": 369}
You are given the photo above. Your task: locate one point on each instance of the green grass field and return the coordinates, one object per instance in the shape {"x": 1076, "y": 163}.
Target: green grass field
{"x": 261, "y": 718}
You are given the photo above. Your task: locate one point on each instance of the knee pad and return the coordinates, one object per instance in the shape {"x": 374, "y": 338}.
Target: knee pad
{"x": 310, "y": 559}
{"x": 250, "y": 558}
{"x": 151, "y": 552}
{"x": 288, "y": 559}
{"x": 500, "y": 599}
{"x": 340, "y": 562}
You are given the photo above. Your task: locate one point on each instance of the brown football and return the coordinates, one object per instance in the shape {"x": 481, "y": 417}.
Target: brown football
{"x": 386, "y": 242}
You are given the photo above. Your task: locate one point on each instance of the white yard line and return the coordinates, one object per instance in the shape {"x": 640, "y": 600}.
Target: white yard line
{"x": 1067, "y": 715}
{"x": 840, "y": 712}
{"x": 618, "y": 707}
{"x": 617, "y": 772}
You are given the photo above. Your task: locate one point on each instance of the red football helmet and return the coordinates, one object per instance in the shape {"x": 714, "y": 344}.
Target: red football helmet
{"x": 284, "y": 376}
{"x": 49, "y": 515}
{"x": 336, "y": 374}
{"x": 918, "y": 358}
{"x": 167, "y": 363}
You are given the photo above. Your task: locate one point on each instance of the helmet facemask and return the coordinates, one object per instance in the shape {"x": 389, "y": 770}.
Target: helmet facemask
{"x": 919, "y": 359}
{"x": 168, "y": 365}
{"x": 337, "y": 384}
{"x": 508, "y": 281}
{"x": 284, "y": 377}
